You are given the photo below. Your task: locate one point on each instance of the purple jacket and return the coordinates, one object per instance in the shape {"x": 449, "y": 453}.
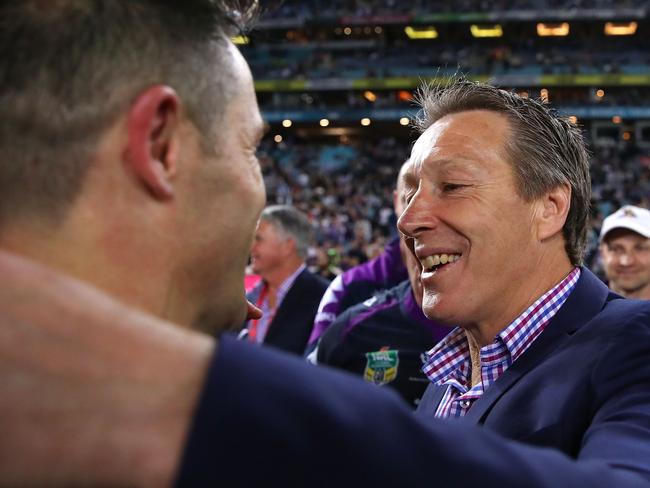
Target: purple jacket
{"x": 358, "y": 284}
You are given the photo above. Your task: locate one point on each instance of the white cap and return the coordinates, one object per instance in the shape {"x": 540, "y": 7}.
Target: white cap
{"x": 636, "y": 219}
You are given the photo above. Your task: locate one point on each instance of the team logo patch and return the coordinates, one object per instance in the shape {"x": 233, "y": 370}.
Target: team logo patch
{"x": 381, "y": 366}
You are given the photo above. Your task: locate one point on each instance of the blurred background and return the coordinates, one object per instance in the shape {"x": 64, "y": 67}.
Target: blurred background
{"x": 336, "y": 79}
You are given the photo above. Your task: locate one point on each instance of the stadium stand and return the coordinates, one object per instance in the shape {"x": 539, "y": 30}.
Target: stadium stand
{"x": 336, "y": 82}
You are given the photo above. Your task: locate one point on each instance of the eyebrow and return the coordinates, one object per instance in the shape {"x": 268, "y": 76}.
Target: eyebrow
{"x": 409, "y": 179}
{"x": 260, "y": 131}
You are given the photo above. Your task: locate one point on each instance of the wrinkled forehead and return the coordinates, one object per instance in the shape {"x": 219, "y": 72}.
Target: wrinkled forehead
{"x": 469, "y": 136}
{"x": 425, "y": 145}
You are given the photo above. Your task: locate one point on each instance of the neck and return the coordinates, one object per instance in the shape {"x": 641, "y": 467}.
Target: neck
{"x": 108, "y": 258}
{"x": 543, "y": 274}
{"x": 276, "y": 277}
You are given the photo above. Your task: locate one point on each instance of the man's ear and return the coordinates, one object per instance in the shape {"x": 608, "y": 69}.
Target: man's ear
{"x": 553, "y": 211}
{"x": 290, "y": 246}
{"x": 152, "y": 146}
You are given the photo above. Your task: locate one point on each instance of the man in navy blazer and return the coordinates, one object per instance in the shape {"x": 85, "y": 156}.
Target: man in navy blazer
{"x": 288, "y": 293}
{"x": 544, "y": 379}
{"x": 151, "y": 195}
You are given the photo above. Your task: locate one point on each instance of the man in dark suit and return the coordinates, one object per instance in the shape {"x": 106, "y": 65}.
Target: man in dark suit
{"x": 137, "y": 177}
{"x": 288, "y": 293}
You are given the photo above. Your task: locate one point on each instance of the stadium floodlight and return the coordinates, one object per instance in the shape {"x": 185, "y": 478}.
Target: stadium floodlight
{"x": 278, "y": 138}
{"x": 544, "y": 95}
{"x": 486, "y": 30}
{"x": 287, "y": 123}
{"x": 324, "y": 122}
{"x": 546, "y": 29}
{"x": 370, "y": 96}
{"x": 365, "y": 121}
{"x": 620, "y": 28}
{"x": 404, "y": 121}
{"x": 404, "y": 96}
{"x": 240, "y": 39}
{"x": 421, "y": 32}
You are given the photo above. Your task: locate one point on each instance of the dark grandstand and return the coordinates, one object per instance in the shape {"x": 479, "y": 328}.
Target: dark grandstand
{"x": 336, "y": 80}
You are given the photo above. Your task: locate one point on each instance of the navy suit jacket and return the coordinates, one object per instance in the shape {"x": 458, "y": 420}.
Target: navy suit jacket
{"x": 293, "y": 320}
{"x": 572, "y": 411}
{"x": 576, "y": 382}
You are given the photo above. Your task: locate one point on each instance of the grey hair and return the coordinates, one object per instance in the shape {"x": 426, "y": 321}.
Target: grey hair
{"x": 69, "y": 68}
{"x": 545, "y": 150}
{"x": 291, "y": 222}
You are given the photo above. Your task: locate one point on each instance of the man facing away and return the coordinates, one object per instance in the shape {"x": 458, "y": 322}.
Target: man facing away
{"x": 625, "y": 251}
{"x": 383, "y": 339}
{"x": 128, "y": 138}
{"x": 360, "y": 282}
{"x": 288, "y": 293}
{"x": 137, "y": 177}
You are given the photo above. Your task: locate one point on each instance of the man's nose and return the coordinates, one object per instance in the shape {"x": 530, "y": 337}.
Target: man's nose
{"x": 417, "y": 216}
{"x": 626, "y": 259}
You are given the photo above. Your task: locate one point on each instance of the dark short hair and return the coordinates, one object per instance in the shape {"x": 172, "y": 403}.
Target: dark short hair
{"x": 545, "y": 150}
{"x": 293, "y": 223}
{"x": 68, "y": 68}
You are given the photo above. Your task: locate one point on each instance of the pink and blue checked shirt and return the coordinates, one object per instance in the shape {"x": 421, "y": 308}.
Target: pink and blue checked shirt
{"x": 449, "y": 363}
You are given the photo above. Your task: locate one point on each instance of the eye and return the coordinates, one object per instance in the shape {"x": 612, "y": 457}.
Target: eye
{"x": 407, "y": 197}
{"x": 449, "y": 187}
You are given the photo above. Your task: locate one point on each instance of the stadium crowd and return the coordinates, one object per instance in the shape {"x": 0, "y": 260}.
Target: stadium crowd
{"x": 347, "y": 194}
{"x": 363, "y": 8}
{"x": 520, "y": 54}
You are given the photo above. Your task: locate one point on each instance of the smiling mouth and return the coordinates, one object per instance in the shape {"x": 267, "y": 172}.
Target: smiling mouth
{"x": 436, "y": 261}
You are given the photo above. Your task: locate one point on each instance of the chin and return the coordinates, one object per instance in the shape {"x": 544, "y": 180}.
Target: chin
{"x": 434, "y": 310}
{"x": 217, "y": 319}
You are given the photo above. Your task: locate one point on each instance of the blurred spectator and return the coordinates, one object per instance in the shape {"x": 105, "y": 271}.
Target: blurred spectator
{"x": 383, "y": 339}
{"x": 288, "y": 293}
{"x": 359, "y": 283}
{"x": 625, "y": 250}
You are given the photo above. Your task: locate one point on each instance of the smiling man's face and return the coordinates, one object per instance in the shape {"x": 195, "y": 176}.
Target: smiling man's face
{"x": 471, "y": 231}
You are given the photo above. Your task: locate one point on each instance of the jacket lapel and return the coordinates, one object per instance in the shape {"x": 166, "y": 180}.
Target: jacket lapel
{"x": 286, "y": 309}
{"x": 587, "y": 299}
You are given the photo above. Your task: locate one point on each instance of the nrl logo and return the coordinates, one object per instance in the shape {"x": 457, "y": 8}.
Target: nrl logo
{"x": 381, "y": 366}
{"x": 628, "y": 213}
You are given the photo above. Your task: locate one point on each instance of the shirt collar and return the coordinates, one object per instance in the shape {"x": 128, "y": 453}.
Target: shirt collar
{"x": 286, "y": 285}
{"x": 451, "y": 354}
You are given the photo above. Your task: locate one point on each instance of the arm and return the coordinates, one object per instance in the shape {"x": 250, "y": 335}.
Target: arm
{"x": 299, "y": 425}
{"x": 619, "y": 432}
{"x": 328, "y": 309}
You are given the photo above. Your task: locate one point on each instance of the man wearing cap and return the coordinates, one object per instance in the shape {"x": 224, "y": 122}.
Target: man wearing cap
{"x": 625, "y": 251}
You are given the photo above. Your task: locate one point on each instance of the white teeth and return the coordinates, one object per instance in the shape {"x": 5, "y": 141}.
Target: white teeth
{"x": 436, "y": 259}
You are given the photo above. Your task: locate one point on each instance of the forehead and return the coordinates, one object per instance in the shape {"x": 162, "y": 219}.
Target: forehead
{"x": 621, "y": 236}
{"x": 470, "y": 136}
{"x": 267, "y": 227}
